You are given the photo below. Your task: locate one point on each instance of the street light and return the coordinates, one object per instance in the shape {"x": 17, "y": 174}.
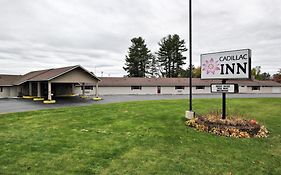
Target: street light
{"x": 190, "y": 114}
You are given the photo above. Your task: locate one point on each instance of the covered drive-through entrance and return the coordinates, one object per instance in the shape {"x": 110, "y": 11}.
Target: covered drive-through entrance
{"x": 52, "y": 83}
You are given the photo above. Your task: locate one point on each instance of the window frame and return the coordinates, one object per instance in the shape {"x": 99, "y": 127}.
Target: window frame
{"x": 89, "y": 87}
{"x": 179, "y": 87}
{"x": 136, "y": 88}
{"x": 200, "y": 87}
{"x": 256, "y": 88}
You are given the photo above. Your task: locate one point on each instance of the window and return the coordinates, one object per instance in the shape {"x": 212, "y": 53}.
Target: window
{"x": 136, "y": 87}
{"x": 179, "y": 87}
{"x": 1, "y": 89}
{"x": 200, "y": 87}
{"x": 256, "y": 88}
{"x": 87, "y": 87}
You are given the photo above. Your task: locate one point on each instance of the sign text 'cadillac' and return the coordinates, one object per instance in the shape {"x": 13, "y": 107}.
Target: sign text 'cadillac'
{"x": 234, "y": 64}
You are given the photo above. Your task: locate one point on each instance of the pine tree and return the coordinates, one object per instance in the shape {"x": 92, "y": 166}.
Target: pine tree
{"x": 138, "y": 58}
{"x": 153, "y": 67}
{"x": 170, "y": 55}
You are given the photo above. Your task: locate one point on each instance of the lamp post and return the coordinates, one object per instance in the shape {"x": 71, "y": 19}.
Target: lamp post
{"x": 190, "y": 114}
{"x": 190, "y": 55}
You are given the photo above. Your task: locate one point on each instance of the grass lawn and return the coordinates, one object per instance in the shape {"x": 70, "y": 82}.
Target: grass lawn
{"x": 137, "y": 138}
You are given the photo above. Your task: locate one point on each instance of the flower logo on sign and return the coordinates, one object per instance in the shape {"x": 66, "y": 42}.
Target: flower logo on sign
{"x": 211, "y": 66}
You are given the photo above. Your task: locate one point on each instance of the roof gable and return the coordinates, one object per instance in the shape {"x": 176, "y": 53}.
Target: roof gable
{"x": 77, "y": 75}
{"x": 49, "y": 74}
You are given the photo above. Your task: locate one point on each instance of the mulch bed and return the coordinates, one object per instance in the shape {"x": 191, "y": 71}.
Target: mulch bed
{"x": 231, "y": 127}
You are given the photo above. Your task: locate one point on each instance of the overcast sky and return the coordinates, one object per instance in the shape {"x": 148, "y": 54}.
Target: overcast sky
{"x": 39, "y": 34}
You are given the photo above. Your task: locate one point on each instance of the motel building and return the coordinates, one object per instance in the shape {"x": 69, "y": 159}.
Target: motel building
{"x": 172, "y": 86}
{"x": 77, "y": 81}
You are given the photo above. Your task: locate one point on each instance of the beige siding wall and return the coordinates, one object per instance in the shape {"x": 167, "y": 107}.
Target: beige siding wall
{"x": 5, "y": 92}
{"x": 263, "y": 90}
{"x": 9, "y": 92}
{"x": 266, "y": 89}
{"x": 126, "y": 90}
{"x": 243, "y": 89}
{"x": 118, "y": 91}
{"x": 78, "y": 91}
{"x": 201, "y": 91}
{"x": 114, "y": 90}
{"x": 143, "y": 91}
{"x": 90, "y": 92}
{"x": 172, "y": 90}
{"x": 276, "y": 89}
{"x": 14, "y": 91}
{"x": 169, "y": 90}
{"x": 75, "y": 76}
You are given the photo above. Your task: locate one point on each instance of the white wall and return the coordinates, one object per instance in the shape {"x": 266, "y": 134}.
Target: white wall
{"x": 143, "y": 91}
{"x": 126, "y": 90}
{"x": 263, "y": 90}
{"x": 276, "y": 89}
{"x": 9, "y": 92}
{"x": 14, "y": 91}
{"x": 207, "y": 90}
{"x": 78, "y": 91}
{"x": 243, "y": 89}
{"x": 172, "y": 90}
{"x": 5, "y": 92}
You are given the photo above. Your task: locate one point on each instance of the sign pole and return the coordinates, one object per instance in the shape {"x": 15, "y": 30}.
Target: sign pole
{"x": 190, "y": 114}
{"x": 223, "y": 102}
{"x": 190, "y": 56}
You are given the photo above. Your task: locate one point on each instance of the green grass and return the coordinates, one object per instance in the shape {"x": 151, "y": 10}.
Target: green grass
{"x": 137, "y": 138}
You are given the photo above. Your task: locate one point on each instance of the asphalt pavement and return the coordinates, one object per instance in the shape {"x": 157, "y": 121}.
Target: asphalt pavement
{"x": 21, "y": 105}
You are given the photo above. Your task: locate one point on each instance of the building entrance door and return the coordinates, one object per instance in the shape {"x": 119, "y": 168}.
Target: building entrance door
{"x": 158, "y": 89}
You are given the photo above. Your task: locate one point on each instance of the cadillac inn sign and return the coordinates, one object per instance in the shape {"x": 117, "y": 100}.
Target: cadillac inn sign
{"x": 226, "y": 65}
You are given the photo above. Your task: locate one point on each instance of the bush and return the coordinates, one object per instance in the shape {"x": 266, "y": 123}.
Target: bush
{"x": 232, "y": 127}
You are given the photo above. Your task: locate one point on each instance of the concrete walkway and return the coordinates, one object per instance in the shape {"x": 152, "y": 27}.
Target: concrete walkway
{"x": 20, "y": 105}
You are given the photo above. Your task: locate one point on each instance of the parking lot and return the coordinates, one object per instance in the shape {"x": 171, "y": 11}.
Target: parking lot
{"x": 20, "y": 105}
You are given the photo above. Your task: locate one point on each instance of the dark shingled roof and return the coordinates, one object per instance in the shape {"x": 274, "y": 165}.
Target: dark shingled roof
{"x": 41, "y": 75}
{"x": 8, "y": 80}
{"x": 48, "y": 74}
{"x": 128, "y": 81}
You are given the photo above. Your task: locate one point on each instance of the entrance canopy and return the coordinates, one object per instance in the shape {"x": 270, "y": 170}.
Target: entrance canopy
{"x": 54, "y": 81}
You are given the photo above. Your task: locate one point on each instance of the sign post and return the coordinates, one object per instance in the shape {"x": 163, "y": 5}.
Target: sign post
{"x": 223, "y": 102}
{"x": 227, "y": 65}
{"x": 190, "y": 57}
{"x": 190, "y": 114}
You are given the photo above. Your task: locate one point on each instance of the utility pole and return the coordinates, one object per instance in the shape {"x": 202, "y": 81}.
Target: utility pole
{"x": 190, "y": 114}
{"x": 190, "y": 56}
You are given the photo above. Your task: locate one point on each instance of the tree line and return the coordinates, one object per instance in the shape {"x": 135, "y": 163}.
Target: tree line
{"x": 168, "y": 61}
{"x": 258, "y": 75}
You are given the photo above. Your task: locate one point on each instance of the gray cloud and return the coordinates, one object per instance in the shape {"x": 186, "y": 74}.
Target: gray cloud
{"x": 96, "y": 34}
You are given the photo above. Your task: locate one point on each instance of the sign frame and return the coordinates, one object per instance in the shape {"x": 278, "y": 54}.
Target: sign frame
{"x": 237, "y": 50}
